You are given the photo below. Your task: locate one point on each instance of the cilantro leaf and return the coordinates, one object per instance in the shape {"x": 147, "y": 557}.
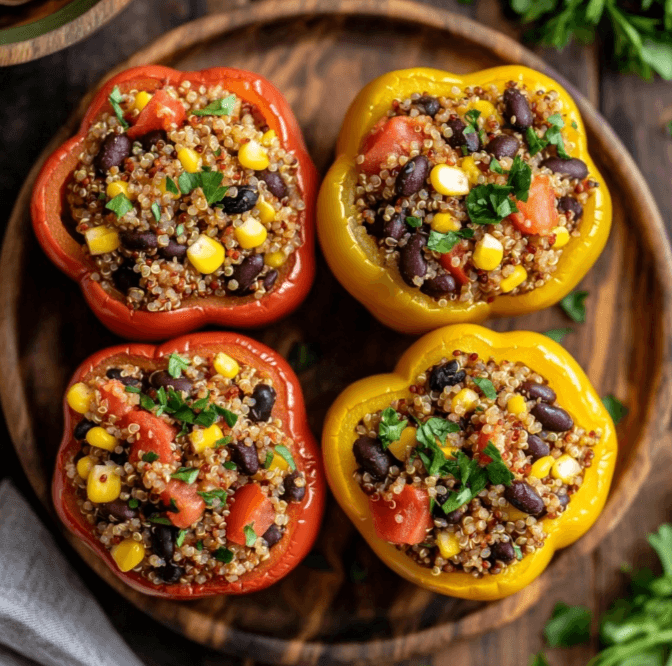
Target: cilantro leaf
{"x": 498, "y": 472}
{"x": 230, "y": 465}
{"x": 269, "y": 459}
{"x": 199, "y": 545}
{"x": 574, "y": 306}
{"x": 534, "y": 143}
{"x": 176, "y": 364}
{"x": 146, "y": 402}
{"x": 495, "y": 166}
{"x": 558, "y": 334}
{"x": 150, "y": 457}
{"x": 520, "y": 179}
{"x": 186, "y": 474}
{"x": 220, "y": 107}
{"x": 661, "y": 542}
{"x": 116, "y": 98}
{"x": 210, "y": 496}
{"x": 413, "y": 221}
{"x": 156, "y": 211}
{"x": 284, "y": 453}
{"x": 569, "y": 625}
{"x": 230, "y": 418}
{"x": 133, "y": 503}
{"x": 390, "y": 427}
{"x": 554, "y": 135}
{"x": 223, "y": 441}
{"x": 223, "y": 555}
{"x": 132, "y": 389}
{"x": 486, "y": 387}
{"x": 517, "y": 551}
{"x": 171, "y": 187}
{"x": 444, "y": 243}
{"x": 617, "y": 410}
{"x": 159, "y": 520}
{"x": 210, "y": 184}
{"x": 250, "y": 535}
{"x": 120, "y": 205}
{"x": 490, "y": 204}
{"x": 180, "y": 537}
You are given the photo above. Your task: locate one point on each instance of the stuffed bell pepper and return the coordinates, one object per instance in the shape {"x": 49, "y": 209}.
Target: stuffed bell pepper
{"x": 186, "y": 198}
{"x": 470, "y": 465}
{"x": 453, "y": 199}
{"x": 189, "y": 468}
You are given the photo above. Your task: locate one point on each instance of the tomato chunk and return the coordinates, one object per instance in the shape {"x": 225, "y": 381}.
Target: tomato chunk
{"x": 391, "y": 136}
{"x": 154, "y": 435}
{"x": 250, "y": 507}
{"x": 160, "y": 113}
{"x": 412, "y": 504}
{"x": 483, "y": 439}
{"x": 118, "y": 400}
{"x": 537, "y": 215}
{"x": 457, "y": 272}
{"x": 189, "y": 503}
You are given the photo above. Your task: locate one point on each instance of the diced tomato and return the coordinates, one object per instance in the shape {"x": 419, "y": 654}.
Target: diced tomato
{"x": 118, "y": 400}
{"x": 250, "y": 507}
{"x": 539, "y": 209}
{"x": 154, "y": 435}
{"x": 388, "y": 137}
{"x": 483, "y": 439}
{"x": 160, "y": 113}
{"x": 189, "y": 503}
{"x": 412, "y": 504}
{"x": 457, "y": 272}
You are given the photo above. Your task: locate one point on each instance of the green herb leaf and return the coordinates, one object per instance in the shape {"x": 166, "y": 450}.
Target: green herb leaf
{"x": 539, "y": 660}
{"x": 574, "y": 306}
{"x": 159, "y": 520}
{"x": 133, "y": 503}
{"x": 176, "y": 364}
{"x": 390, "y": 427}
{"x": 444, "y": 243}
{"x": 132, "y": 389}
{"x": 661, "y": 542}
{"x": 517, "y": 551}
{"x": 617, "y": 410}
{"x": 230, "y": 465}
{"x": 180, "y": 538}
{"x": 220, "y": 107}
{"x": 490, "y": 204}
{"x": 534, "y": 143}
{"x": 146, "y": 402}
{"x": 186, "y": 474}
{"x": 413, "y": 221}
{"x": 210, "y": 184}
{"x": 269, "y": 459}
{"x": 284, "y": 453}
{"x": 569, "y": 625}
{"x": 558, "y": 334}
{"x": 170, "y": 186}
{"x": 495, "y": 166}
{"x": 486, "y": 387}
{"x": 218, "y": 152}
{"x": 179, "y": 229}
{"x": 211, "y": 495}
{"x": 553, "y": 135}
{"x": 250, "y": 535}
{"x": 202, "y": 403}
{"x": 120, "y": 205}
{"x": 156, "y": 211}
{"x": 498, "y": 472}
{"x": 223, "y": 555}
{"x": 150, "y": 457}
{"x": 574, "y": 125}
{"x": 520, "y": 179}
{"x": 230, "y": 418}
{"x": 116, "y": 98}
{"x": 223, "y": 441}
{"x": 188, "y": 182}
{"x": 199, "y": 545}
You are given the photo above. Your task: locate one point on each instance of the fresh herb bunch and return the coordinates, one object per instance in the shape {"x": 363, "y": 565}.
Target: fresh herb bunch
{"x": 638, "y": 35}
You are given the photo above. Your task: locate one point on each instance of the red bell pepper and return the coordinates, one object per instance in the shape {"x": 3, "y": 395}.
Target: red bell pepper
{"x": 412, "y": 504}
{"x": 457, "y": 272}
{"x": 296, "y": 275}
{"x": 388, "y": 137}
{"x": 250, "y": 507}
{"x": 304, "y": 517}
{"x": 539, "y": 209}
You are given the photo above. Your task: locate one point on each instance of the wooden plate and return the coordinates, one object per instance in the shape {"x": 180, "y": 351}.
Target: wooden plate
{"x": 342, "y": 605}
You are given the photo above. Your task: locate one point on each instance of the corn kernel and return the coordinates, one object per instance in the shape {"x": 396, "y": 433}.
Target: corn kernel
{"x": 102, "y": 485}
{"x": 206, "y": 254}
{"x": 266, "y": 211}
{"x": 226, "y": 366}
{"x": 275, "y": 259}
{"x": 128, "y": 554}
{"x": 253, "y": 156}
{"x": 102, "y": 240}
{"x": 250, "y": 233}
{"x": 467, "y": 399}
{"x": 445, "y": 222}
{"x": 516, "y": 405}
{"x": 469, "y": 167}
{"x": 278, "y": 462}
{"x": 268, "y": 138}
{"x": 84, "y": 466}
{"x": 516, "y": 278}
{"x": 205, "y": 438}
{"x": 141, "y": 100}
{"x": 448, "y": 544}
{"x": 561, "y": 237}
{"x": 164, "y": 190}
{"x": 189, "y": 159}
{"x": 101, "y": 438}
{"x": 542, "y": 468}
{"x": 400, "y": 448}
{"x": 514, "y": 514}
{"x": 79, "y": 397}
{"x": 116, "y": 188}
{"x": 449, "y": 180}
{"x": 449, "y": 451}
{"x": 488, "y": 253}
{"x": 566, "y": 468}
{"x": 487, "y": 109}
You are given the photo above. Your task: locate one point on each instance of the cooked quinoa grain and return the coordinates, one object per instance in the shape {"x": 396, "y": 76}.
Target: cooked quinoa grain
{"x": 524, "y": 454}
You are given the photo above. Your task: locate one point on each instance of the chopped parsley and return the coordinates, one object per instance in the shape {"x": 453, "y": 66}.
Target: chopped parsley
{"x": 574, "y": 306}
{"x": 159, "y": 520}
{"x": 444, "y": 243}
{"x": 208, "y": 181}
{"x": 230, "y": 465}
{"x": 199, "y": 545}
{"x": 220, "y": 107}
{"x": 558, "y": 334}
{"x": 116, "y": 98}
{"x": 552, "y": 136}
{"x": 170, "y": 186}
{"x": 132, "y": 389}
{"x": 617, "y": 410}
{"x": 498, "y": 472}
{"x": 413, "y": 221}
{"x": 176, "y": 364}
{"x": 574, "y": 125}
{"x": 486, "y": 387}
{"x": 269, "y": 459}
{"x": 150, "y": 457}
{"x": 180, "y": 537}
{"x": 284, "y": 453}
{"x": 520, "y": 179}
{"x": 133, "y": 503}
{"x": 250, "y": 535}
{"x": 211, "y": 495}
{"x": 490, "y": 204}
{"x": 223, "y": 441}
{"x": 517, "y": 551}
{"x": 186, "y": 474}
{"x": 390, "y": 427}
{"x": 471, "y": 117}
{"x": 496, "y": 167}
{"x": 223, "y": 555}
{"x": 179, "y": 229}
{"x": 156, "y": 211}
{"x": 120, "y": 205}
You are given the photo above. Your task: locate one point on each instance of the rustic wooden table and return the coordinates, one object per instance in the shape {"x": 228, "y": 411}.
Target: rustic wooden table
{"x": 38, "y": 97}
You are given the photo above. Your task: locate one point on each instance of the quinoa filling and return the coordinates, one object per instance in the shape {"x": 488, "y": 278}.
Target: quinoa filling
{"x": 184, "y": 472}
{"x": 474, "y": 194}
{"x": 208, "y": 205}
{"x": 461, "y": 474}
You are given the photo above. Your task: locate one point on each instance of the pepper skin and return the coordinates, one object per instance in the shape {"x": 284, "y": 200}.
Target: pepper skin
{"x": 69, "y": 256}
{"x": 305, "y": 517}
{"x": 356, "y": 262}
{"x": 574, "y": 393}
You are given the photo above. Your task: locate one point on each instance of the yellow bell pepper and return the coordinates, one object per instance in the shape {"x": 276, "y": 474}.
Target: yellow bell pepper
{"x": 574, "y": 393}
{"x": 356, "y": 260}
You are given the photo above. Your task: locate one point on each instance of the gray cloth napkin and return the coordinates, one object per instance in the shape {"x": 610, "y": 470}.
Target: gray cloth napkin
{"x": 47, "y": 616}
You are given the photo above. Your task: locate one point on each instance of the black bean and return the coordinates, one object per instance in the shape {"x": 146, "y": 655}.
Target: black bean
{"x": 119, "y": 458}
{"x": 148, "y": 510}
{"x": 119, "y": 510}
{"x": 517, "y": 109}
{"x": 245, "y": 199}
{"x": 395, "y": 227}
{"x": 412, "y": 261}
{"x": 264, "y": 399}
{"x": 269, "y": 279}
{"x": 163, "y": 541}
{"x": 564, "y": 500}
{"x": 447, "y": 374}
{"x": 555, "y": 419}
{"x": 430, "y": 105}
{"x": 82, "y": 428}
{"x": 571, "y": 205}
{"x": 125, "y": 278}
{"x": 245, "y": 457}
{"x": 153, "y": 137}
{"x": 537, "y": 391}
{"x": 524, "y": 498}
{"x": 412, "y": 176}
{"x": 173, "y": 250}
{"x": 459, "y": 138}
{"x": 246, "y": 273}
{"x": 170, "y": 573}
{"x": 574, "y": 168}
{"x": 294, "y": 492}
{"x": 115, "y": 373}
{"x": 162, "y": 378}
{"x": 503, "y": 551}
{"x": 503, "y": 145}
{"x": 274, "y": 183}
{"x": 537, "y": 447}
{"x": 272, "y": 535}
{"x": 439, "y": 286}
{"x": 371, "y": 457}
{"x": 114, "y": 150}
{"x": 454, "y": 517}
{"x": 138, "y": 240}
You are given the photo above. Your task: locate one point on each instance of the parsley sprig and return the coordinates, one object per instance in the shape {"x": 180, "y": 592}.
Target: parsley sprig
{"x": 210, "y": 183}
{"x": 390, "y": 427}
{"x": 116, "y": 98}
{"x": 220, "y": 107}
{"x": 552, "y": 136}
{"x": 444, "y": 243}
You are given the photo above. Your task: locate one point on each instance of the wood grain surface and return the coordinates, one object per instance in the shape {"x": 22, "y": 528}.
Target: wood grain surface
{"x": 622, "y": 346}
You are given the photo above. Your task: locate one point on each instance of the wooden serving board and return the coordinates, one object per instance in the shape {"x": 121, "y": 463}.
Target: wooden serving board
{"x": 342, "y": 605}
